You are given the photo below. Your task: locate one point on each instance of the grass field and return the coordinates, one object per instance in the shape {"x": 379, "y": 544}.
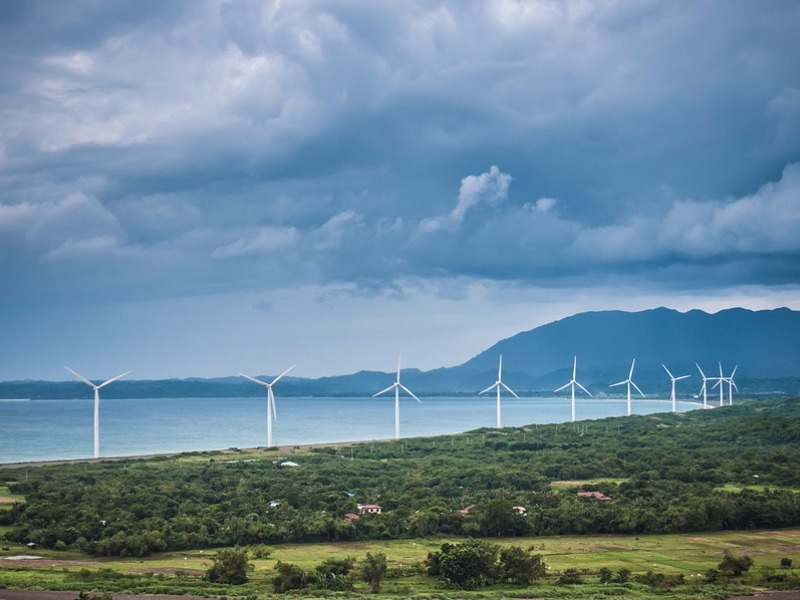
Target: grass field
{"x": 689, "y": 555}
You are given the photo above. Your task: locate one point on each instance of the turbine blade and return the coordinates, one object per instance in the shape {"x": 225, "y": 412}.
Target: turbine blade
{"x": 574, "y": 367}
{"x": 410, "y": 393}
{"x": 274, "y": 381}
{"x": 667, "y": 370}
{"x": 508, "y": 389}
{"x": 716, "y": 384}
{"x": 584, "y": 389}
{"x": 563, "y": 387}
{"x": 703, "y": 375}
{"x": 734, "y": 371}
{"x": 637, "y": 389}
{"x": 399, "y": 358}
{"x": 113, "y": 379}
{"x": 254, "y": 380}
{"x": 630, "y": 375}
{"x": 720, "y": 368}
{"x": 388, "y": 389}
{"x": 491, "y": 387}
{"x": 733, "y": 383}
{"x": 272, "y": 403}
{"x": 682, "y": 377}
{"x": 618, "y": 383}
{"x": 500, "y": 369}
{"x": 81, "y": 377}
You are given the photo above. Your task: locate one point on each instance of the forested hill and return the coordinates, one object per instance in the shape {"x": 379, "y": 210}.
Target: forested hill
{"x": 762, "y": 343}
{"x": 727, "y": 468}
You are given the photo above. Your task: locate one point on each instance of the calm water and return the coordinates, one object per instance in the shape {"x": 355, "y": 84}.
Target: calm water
{"x": 62, "y": 429}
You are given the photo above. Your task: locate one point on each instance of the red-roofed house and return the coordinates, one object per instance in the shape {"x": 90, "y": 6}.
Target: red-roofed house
{"x": 350, "y": 517}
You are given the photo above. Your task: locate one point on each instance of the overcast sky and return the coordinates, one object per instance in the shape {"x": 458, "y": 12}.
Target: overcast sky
{"x": 202, "y": 187}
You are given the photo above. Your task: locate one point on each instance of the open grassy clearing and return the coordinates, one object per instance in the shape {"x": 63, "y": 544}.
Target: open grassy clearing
{"x": 671, "y": 554}
{"x": 8, "y": 499}
{"x": 582, "y": 482}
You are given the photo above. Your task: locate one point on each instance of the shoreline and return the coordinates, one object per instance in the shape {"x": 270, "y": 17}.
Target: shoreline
{"x": 288, "y": 448}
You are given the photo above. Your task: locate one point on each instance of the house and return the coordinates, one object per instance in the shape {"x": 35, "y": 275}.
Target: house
{"x": 594, "y": 496}
{"x": 368, "y": 509}
{"x": 520, "y": 510}
{"x": 32, "y": 545}
{"x": 350, "y": 517}
{"x": 466, "y": 509}
{"x": 289, "y": 463}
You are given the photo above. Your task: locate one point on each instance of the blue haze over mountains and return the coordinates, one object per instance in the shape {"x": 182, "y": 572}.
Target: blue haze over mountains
{"x": 764, "y": 344}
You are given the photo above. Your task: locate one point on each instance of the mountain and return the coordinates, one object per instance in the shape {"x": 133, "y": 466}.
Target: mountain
{"x": 763, "y": 343}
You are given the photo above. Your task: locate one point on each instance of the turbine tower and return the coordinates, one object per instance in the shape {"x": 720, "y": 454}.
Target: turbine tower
{"x": 396, "y": 386}
{"x": 497, "y": 385}
{"x": 629, "y": 382}
{"x": 271, "y": 412}
{"x": 704, "y": 389}
{"x": 571, "y": 384}
{"x": 96, "y": 389}
{"x": 673, "y": 379}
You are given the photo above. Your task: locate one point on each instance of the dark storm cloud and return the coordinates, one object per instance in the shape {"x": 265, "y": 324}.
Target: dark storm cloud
{"x": 200, "y": 146}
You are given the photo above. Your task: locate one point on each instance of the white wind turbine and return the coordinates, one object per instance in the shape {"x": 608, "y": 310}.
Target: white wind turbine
{"x": 720, "y": 381}
{"x": 572, "y": 383}
{"x": 704, "y": 389}
{"x": 96, "y": 389}
{"x": 731, "y": 385}
{"x": 497, "y": 385}
{"x": 629, "y": 382}
{"x": 673, "y": 379}
{"x": 271, "y": 412}
{"x": 396, "y": 387}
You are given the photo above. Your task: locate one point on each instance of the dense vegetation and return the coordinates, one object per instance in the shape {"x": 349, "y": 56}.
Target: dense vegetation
{"x": 727, "y": 468}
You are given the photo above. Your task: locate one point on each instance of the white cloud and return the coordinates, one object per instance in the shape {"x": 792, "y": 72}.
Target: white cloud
{"x": 333, "y": 233}
{"x": 268, "y": 240}
{"x": 544, "y": 205}
{"x": 489, "y": 188}
{"x": 63, "y": 228}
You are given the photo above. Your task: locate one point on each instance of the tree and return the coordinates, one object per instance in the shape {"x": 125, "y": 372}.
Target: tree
{"x": 605, "y": 574}
{"x": 372, "y": 570}
{"x": 229, "y": 566}
{"x": 786, "y": 563}
{"x": 470, "y": 565}
{"x": 570, "y": 576}
{"x": 734, "y": 565}
{"x": 288, "y": 577}
{"x": 521, "y": 566}
{"x": 622, "y": 576}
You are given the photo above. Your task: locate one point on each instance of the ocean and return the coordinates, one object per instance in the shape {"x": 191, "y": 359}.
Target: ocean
{"x": 40, "y": 430}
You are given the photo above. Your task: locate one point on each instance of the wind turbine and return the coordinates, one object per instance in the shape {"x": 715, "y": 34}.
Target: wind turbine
{"x": 271, "y": 412}
{"x": 703, "y": 390}
{"x": 96, "y": 389}
{"x": 731, "y": 385}
{"x": 720, "y": 381}
{"x": 396, "y": 387}
{"x": 673, "y": 379}
{"x": 572, "y": 383}
{"x": 629, "y": 382}
{"x": 497, "y": 385}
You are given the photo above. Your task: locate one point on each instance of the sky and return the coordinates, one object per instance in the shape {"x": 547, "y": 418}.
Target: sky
{"x": 201, "y": 187}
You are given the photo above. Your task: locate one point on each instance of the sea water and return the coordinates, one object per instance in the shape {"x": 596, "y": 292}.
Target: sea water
{"x": 37, "y": 430}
